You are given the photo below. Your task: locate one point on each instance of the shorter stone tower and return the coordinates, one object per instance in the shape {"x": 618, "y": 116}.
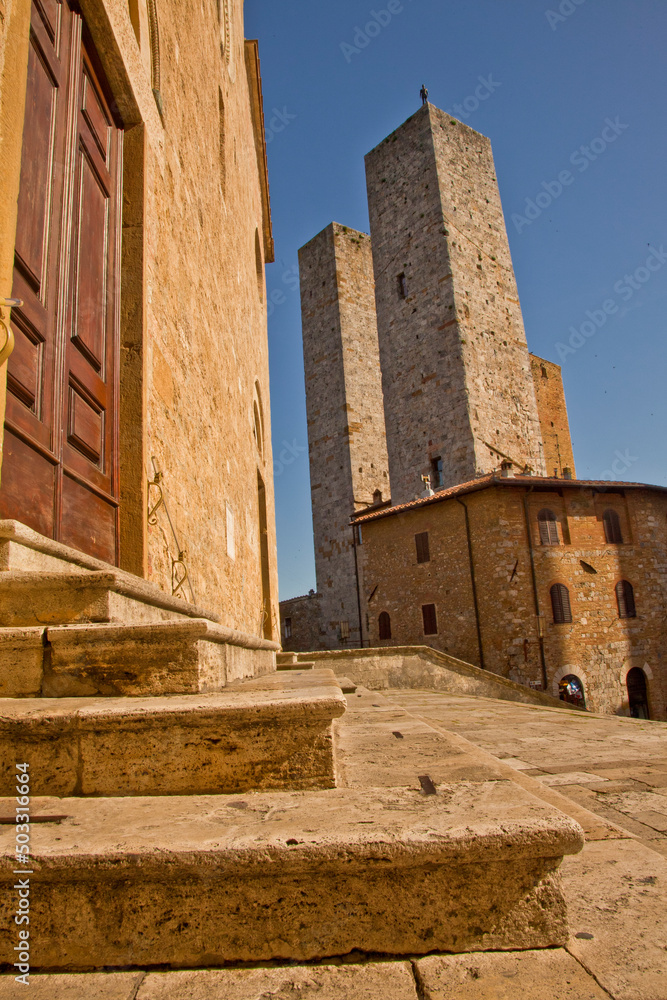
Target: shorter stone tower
{"x": 552, "y": 410}
{"x": 346, "y": 435}
{"x": 458, "y": 391}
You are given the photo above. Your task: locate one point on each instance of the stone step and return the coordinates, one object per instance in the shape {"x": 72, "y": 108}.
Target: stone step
{"x": 275, "y": 735}
{"x": 189, "y": 656}
{"x": 200, "y": 881}
{"x": 301, "y": 665}
{"x": 32, "y": 598}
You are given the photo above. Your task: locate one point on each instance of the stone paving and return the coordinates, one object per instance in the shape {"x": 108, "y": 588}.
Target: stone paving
{"x": 613, "y": 766}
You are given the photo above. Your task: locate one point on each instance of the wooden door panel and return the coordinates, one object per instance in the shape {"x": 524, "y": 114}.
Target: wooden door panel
{"x": 88, "y": 521}
{"x": 28, "y": 485}
{"x": 36, "y": 189}
{"x": 60, "y": 468}
{"x": 89, "y": 312}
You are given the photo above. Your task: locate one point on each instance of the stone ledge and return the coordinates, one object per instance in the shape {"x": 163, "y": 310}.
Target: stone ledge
{"x": 278, "y": 737}
{"x": 201, "y": 881}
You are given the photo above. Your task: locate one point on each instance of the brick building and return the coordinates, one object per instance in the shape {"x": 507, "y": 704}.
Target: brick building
{"x": 445, "y": 506}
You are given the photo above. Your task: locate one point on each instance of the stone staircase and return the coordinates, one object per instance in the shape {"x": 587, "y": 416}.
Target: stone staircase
{"x": 193, "y": 807}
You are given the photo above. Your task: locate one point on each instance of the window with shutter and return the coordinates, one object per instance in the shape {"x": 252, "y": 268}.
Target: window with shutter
{"x": 612, "y": 527}
{"x": 423, "y": 552}
{"x": 560, "y": 604}
{"x": 430, "y": 619}
{"x": 625, "y": 598}
{"x": 288, "y": 628}
{"x": 548, "y": 525}
{"x": 384, "y": 624}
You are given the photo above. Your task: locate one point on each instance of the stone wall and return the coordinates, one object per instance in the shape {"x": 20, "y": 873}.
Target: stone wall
{"x": 598, "y": 646}
{"x": 194, "y": 384}
{"x": 346, "y": 437}
{"x": 552, "y": 410}
{"x": 455, "y": 367}
{"x": 301, "y": 626}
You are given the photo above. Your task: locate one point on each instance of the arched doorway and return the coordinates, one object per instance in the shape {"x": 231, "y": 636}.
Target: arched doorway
{"x": 571, "y": 690}
{"x": 637, "y": 693}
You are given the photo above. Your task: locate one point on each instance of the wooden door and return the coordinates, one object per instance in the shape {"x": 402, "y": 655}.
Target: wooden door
{"x": 60, "y": 466}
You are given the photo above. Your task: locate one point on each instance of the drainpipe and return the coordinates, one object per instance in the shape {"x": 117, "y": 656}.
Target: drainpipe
{"x": 356, "y": 574}
{"x": 536, "y": 597}
{"x": 474, "y": 585}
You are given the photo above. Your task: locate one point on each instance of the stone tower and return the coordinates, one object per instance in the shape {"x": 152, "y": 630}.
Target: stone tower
{"x": 346, "y": 435}
{"x": 456, "y": 375}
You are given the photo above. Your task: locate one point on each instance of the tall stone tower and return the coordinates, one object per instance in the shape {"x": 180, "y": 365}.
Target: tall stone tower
{"x": 346, "y": 436}
{"x": 456, "y": 375}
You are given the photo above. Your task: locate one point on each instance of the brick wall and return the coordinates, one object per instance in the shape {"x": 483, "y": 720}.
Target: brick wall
{"x": 552, "y": 410}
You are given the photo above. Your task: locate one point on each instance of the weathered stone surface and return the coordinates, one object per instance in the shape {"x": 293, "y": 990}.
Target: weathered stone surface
{"x": 346, "y": 433}
{"x": 63, "y": 598}
{"x": 197, "y": 881}
{"x": 276, "y": 737}
{"x": 21, "y": 662}
{"x": 91, "y": 986}
{"x": 424, "y": 668}
{"x": 530, "y": 975}
{"x": 176, "y": 657}
{"x": 552, "y": 741}
{"x": 389, "y": 980}
{"x": 617, "y": 899}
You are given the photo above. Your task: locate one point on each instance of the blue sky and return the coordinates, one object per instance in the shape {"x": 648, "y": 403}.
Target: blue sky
{"x": 563, "y": 75}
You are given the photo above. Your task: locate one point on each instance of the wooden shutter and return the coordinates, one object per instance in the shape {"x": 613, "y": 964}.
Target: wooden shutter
{"x": 612, "y": 527}
{"x": 430, "y": 619}
{"x": 625, "y": 598}
{"x": 423, "y": 552}
{"x": 548, "y": 525}
{"x": 560, "y": 604}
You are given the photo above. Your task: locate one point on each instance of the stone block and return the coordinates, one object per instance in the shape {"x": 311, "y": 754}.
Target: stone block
{"x": 531, "y": 975}
{"x": 210, "y": 744}
{"x": 177, "y": 657}
{"x": 91, "y": 986}
{"x": 201, "y": 881}
{"x": 389, "y": 980}
{"x": 21, "y": 662}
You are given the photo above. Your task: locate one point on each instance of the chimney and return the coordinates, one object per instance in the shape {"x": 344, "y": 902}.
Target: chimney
{"x": 567, "y": 473}
{"x": 506, "y": 469}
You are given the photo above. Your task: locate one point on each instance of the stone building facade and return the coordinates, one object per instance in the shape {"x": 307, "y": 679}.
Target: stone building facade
{"x": 485, "y": 517}
{"x": 472, "y": 570}
{"x": 455, "y": 367}
{"x": 174, "y": 166}
{"x": 346, "y": 434}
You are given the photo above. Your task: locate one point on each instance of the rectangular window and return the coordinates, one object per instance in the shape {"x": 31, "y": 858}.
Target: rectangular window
{"x": 423, "y": 552}
{"x": 358, "y": 534}
{"x": 402, "y": 283}
{"x": 437, "y": 474}
{"x": 430, "y": 619}
{"x": 288, "y": 628}
{"x": 344, "y": 631}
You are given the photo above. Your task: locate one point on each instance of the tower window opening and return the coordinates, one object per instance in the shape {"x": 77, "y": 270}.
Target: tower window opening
{"x": 430, "y": 619}
{"x": 612, "y": 528}
{"x": 560, "y": 604}
{"x": 402, "y": 283}
{"x": 625, "y": 599}
{"x": 548, "y": 525}
{"x": 437, "y": 473}
{"x": 384, "y": 626}
{"x": 422, "y": 546}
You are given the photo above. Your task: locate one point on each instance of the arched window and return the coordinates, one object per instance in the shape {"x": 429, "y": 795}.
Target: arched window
{"x": 384, "y": 624}
{"x": 637, "y": 693}
{"x": 625, "y": 598}
{"x": 560, "y": 604}
{"x": 571, "y": 690}
{"x": 612, "y": 527}
{"x": 548, "y": 527}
